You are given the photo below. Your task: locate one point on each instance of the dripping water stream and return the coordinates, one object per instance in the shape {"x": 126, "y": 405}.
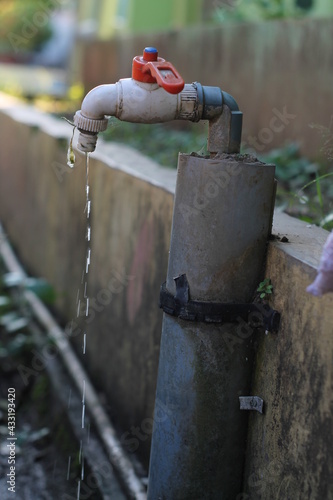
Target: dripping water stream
{"x": 123, "y": 465}
{"x": 83, "y": 292}
{"x": 82, "y": 299}
{"x": 67, "y": 373}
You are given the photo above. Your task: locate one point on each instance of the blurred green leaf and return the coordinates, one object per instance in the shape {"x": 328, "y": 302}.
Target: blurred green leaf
{"x": 19, "y": 32}
{"x": 255, "y": 10}
{"x": 5, "y": 303}
{"x": 41, "y": 288}
{"x": 8, "y": 318}
{"x": 12, "y": 279}
{"x": 304, "y": 189}
{"x": 37, "y": 285}
{"x": 18, "y": 345}
{"x": 16, "y": 325}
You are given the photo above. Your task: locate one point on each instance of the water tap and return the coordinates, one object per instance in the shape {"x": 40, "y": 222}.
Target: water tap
{"x": 156, "y": 93}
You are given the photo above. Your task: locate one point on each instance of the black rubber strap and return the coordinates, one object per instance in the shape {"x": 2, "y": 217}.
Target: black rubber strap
{"x": 180, "y": 305}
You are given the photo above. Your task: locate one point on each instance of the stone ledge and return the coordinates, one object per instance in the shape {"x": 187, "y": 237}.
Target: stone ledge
{"x": 305, "y": 241}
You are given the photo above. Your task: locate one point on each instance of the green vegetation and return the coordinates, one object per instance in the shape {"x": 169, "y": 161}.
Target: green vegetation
{"x": 15, "y": 334}
{"x": 305, "y": 188}
{"x": 14, "y": 337}
{"x": 259, "y": 10}
{"x": 161, "y": 142}
{"x": 24, "y": 25}
{"x": 265, "y": 288}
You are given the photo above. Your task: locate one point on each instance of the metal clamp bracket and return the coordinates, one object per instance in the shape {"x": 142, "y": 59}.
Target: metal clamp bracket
{"x": 251, "y": 403}
{"x": 180, "y": 305}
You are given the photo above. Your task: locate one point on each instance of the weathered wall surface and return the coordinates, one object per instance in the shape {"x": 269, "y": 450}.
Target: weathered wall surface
{"x": 42, "y": 204}
{"x": 280, "y": 73}
{"x": 42, "y": 209}
{"x": 290, "y": 447}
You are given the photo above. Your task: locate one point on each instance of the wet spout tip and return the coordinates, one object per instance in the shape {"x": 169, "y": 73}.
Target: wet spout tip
{"x": 87, "y": 142}
{"x": 88, "y": 128}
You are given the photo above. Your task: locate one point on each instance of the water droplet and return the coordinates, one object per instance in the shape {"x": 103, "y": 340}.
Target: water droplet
{"x": 83, "y": 414}
{"x": 70, "y": 152}
{"x": 88, "y": 260}
{"x": 69, "y": 397}
{"x": 54, "y": 468}
{"x": 70, "y": 158}
{"x": 69, "y": 467}
{"x": 87, "y": 306}
{"x": 84, "y": 343}
{"x": 78, "y": 309}
{"x": 82, "y": 470}
{"x": 78, "y": 490}
{"x": 70, "y": 329}
{"x": 83, "y": 391}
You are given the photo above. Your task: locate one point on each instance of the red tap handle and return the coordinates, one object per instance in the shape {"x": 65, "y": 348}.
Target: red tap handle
{"x": 166, "y": 75}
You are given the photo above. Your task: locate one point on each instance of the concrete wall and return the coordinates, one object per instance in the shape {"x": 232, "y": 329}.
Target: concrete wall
{"x": 290, "y": 447}
{"x": 41, "y": 207}
{"x": 273, "y": 68}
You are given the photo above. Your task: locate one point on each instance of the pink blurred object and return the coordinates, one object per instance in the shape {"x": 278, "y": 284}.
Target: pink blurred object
{"x": 324, "y": 280}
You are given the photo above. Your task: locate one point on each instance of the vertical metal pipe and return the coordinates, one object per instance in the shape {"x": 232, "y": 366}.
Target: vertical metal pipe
{"x": 222, "y": 219}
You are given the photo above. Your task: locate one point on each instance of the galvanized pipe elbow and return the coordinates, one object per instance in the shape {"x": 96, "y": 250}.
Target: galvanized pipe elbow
{"x": 225, "y": 119}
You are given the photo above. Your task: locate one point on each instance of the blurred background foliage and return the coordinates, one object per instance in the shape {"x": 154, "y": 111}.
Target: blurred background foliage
{"x": 19, "y": 29}
{"x": 304, "y": 186}
{"x": 304, "y": 189}
{"x": 259, "y": 10}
